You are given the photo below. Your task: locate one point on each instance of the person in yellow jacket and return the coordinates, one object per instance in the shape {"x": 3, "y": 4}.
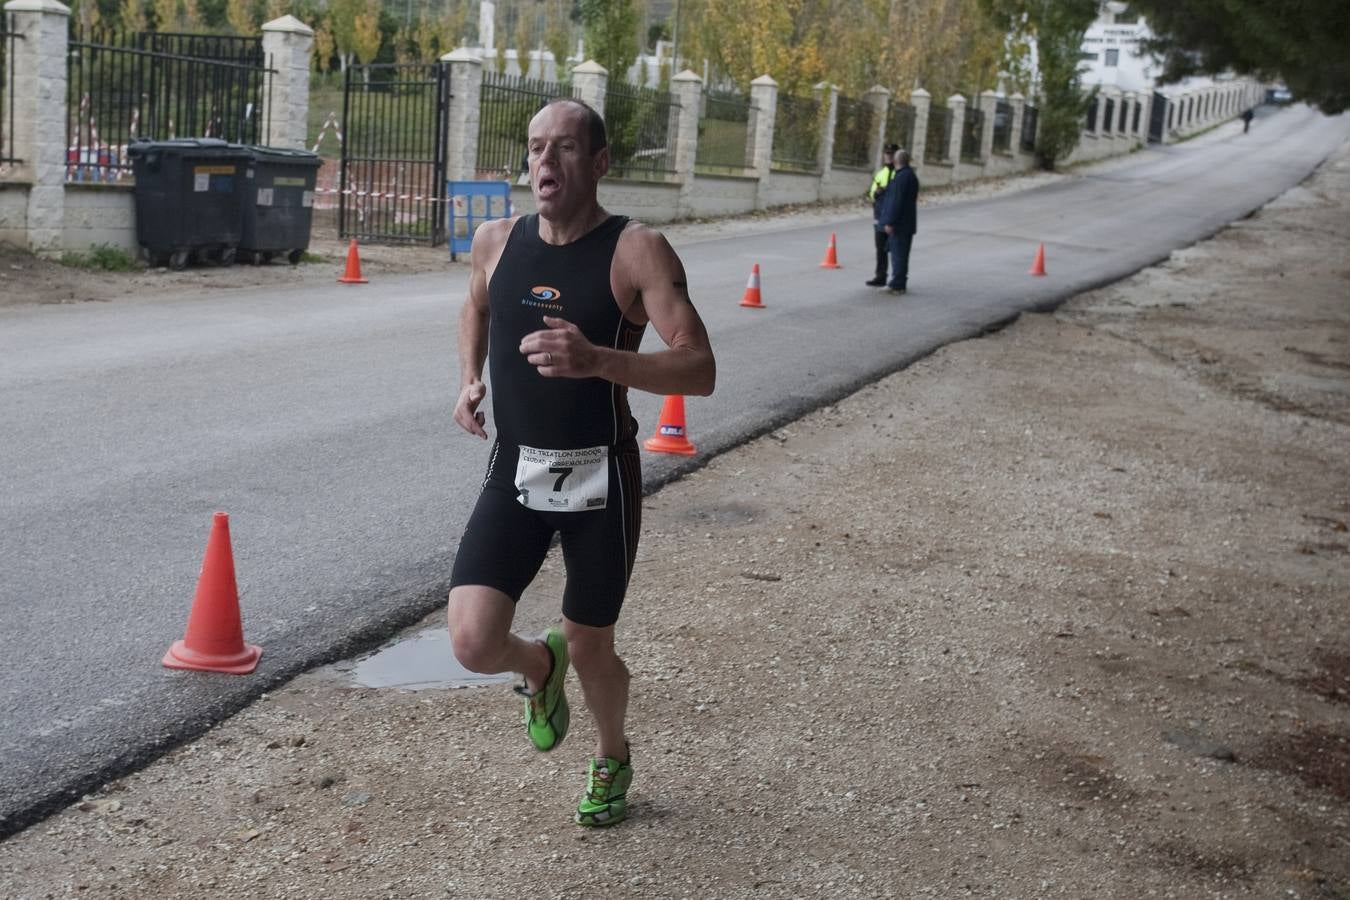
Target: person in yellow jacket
{"x": 877, "y": 193}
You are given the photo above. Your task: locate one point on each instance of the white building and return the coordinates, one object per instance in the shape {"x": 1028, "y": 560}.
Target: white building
{"x": 1112, "y": 56}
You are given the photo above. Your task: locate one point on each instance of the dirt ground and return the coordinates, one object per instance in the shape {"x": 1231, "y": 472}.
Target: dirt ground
{"x": 1058, "y": 612}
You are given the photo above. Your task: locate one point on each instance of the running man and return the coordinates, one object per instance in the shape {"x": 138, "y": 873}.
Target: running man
{"x": 568, "y": 293}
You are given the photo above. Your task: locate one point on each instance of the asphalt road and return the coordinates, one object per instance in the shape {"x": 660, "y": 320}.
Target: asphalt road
{"x": 320, "y": 420}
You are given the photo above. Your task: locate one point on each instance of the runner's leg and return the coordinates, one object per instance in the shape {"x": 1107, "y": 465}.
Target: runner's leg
{"x": 604, "y": 682}
{"x": 479, "y": 619}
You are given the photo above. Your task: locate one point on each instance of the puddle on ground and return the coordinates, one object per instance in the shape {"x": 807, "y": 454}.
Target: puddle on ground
{"x": 422, "y": 661}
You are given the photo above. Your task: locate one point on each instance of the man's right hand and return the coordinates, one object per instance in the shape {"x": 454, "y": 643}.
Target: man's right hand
{"x": 466, "y": 409}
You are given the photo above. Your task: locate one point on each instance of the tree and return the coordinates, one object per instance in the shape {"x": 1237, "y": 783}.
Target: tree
{"x": 525, "y": 38}
{"x": 743, "y": 39}
{"x": 1300, "y": 42}
{"x": 192, "y": 17}
{"x": 366, "y": 35}
{"x": 558, "y": 37}
{"x": 323, "y": 48}
{"x": 166, "y": 14}
{"x": 243, "y": 16}
{"x": 342, "y": 21}
{"x": 131, "y": 13}
{"x": 86, "y": 12}
{"x": 1058, "y": 27}
{"x": 610, "y": 28}
{"x": 501, "y": 51}
{"x": 452, "y": 29}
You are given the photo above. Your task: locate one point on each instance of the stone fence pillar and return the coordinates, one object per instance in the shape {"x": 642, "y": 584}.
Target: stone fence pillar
{"x": 922, "y": 101}
{"x": 763, "y": 116}
{"x": 461, "y": 128}
{"x": 591, "y": 79}
{"x": 39, "y": 116}
{"x": 957, "y": 104}
{"x": 1019, "y": 111}
{"x": 988, "y": 106}
{"x": 688, "y": 89}
{"x": 878, "y": 99}
{"x": 1110, "y": 99}
{"x": 285, "y": 112}
{"x": 829, "y": 98}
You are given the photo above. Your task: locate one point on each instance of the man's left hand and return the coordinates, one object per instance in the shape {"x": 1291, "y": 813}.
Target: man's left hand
{"x": 560, "y": 351}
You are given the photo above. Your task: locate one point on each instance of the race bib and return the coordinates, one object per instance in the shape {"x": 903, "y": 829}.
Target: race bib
{"x": 563, "y": 480}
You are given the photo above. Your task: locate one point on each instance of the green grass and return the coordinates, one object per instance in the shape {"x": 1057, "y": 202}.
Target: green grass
{"x": 103, "y": 257}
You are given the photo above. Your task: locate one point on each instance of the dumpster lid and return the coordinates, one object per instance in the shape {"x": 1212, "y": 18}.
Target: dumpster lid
{"x": 285, "y": 154}
{"x": 187, "y": 146}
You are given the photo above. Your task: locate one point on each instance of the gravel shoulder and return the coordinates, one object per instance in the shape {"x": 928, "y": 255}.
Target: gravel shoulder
{"x": 1057, "y": 612}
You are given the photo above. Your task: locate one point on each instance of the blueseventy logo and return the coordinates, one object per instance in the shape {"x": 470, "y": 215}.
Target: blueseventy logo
{"x": 544, "y": 297}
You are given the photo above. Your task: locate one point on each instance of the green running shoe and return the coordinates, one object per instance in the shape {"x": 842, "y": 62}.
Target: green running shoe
{"x": 546, "y": 713}
{"x": 606, "y": 800}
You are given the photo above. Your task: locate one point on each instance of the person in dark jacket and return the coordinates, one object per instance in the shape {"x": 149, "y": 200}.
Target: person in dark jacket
{"x": 877, "y": 194}
{"x": 899, "y": 219}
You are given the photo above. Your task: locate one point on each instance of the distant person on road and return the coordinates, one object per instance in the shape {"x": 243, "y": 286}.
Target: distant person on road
{"x": 557, "y": 305}
{"x": 877, "y": 194}
{"x": 899, "y": 219}
{"x": 1246, "y": 119}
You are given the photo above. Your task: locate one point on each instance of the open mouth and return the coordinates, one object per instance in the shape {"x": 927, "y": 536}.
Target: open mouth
{"x": 547, "y": 185}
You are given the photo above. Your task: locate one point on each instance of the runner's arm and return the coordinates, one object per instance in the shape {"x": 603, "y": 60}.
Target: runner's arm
{"x": 473, "y": 329}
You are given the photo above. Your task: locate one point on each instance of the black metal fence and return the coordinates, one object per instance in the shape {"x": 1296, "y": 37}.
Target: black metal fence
{"x": 972, "y": 133}
{"x": 7, "y": 39}
{"x": 900, "y": 125}
{"x": 1090, "y": 119}
{"x": 642, "y": 124}
{"x": 854, "y": 126}
{"x": 724, "y": 132}
{"x": 507, "y": 104}
{"x": 1027, "y": 138}
{"x": 1108, "y": 116}
{"x": 129, "y": 85}
{"x": 796, "y": 134}
{"x": 939, "y": 134}
{"x": 1003, "y": 122}
{"x": 1158, "y": 119}
{"x": 392, "y": 180}
{"x": 1124, "y": 112}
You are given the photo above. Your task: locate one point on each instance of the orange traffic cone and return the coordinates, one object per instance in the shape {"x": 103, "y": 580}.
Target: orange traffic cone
{"x": 353, "y": 273}
{"x": 1038, "y": 267}
{"x": 669, "y": 437}
{"x": 831, "y": 261}
{"x": 215, "y": 636}
{"x": 751, "y": 298}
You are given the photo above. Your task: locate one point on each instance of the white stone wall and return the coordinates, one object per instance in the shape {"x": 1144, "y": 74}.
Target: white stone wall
{"x": 719, "y": 195}
{"x": 100, "y": 214}
{"x": 14, "y": 214}
{"x": 936, "y": 174}
{"x": 842, "y": 184}
{"x": 650, "y": 202}
{"x": 790, "y": 187}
